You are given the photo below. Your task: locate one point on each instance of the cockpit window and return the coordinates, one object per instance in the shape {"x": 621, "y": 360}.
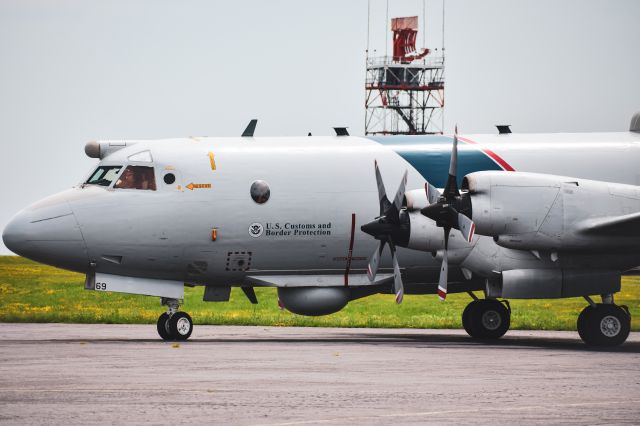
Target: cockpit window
{"x": 104, "y": 175}
{"x": 137, "y": 177}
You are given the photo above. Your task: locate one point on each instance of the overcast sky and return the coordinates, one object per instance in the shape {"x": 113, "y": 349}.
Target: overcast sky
{"x": 74, "y": 71}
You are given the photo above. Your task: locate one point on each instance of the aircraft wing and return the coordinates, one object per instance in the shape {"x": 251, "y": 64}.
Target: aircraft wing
{"x": 624, "y": 225}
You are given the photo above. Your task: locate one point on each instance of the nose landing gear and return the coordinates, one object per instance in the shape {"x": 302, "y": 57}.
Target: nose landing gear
{"x": 174, "y": 325}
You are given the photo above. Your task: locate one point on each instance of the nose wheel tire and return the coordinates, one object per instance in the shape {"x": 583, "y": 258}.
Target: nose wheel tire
{"x": 604, "y": 325}
{"x": 486, "y": 319}
{"x": 178, "y": 326}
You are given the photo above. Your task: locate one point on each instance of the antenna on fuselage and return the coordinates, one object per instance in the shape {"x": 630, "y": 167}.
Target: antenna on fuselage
{"x": 504, "y": 129}
{"x": 251, "y": 127}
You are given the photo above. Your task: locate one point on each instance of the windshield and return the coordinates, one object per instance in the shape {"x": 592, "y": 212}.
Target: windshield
{"x": 104, "y": 175}
{"x": 137, "y": 177}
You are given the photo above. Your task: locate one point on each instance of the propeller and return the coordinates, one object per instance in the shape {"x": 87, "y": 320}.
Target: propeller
{"x": 387, "y": 228}
{"x": 450, "y": 210}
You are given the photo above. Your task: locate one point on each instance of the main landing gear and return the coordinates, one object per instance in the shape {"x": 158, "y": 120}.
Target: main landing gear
{"x": 599, "y": 324}
{"x": 174, "y": 325}
{"x": 486, "y": 318}
{"x": 604, "y": 324}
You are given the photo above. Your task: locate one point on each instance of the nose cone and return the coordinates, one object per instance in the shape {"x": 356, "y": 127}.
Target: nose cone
{"x": 14, "y": 233}
{"x": 48, "y": 232}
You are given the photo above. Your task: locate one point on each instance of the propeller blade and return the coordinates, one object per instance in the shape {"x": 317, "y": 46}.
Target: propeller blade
{"x": 397, "y": 202}
{"x": 442, "y": 282}
{"x": 453, "y": 165}
{"x": 432, "y": 193}
{"x": 382, "y": 193}
{"x": 466, "y": 226}
{"x": 451, "y": 189}
{"x": 398, "y": 288}
{"x": 444, "y": 270}
{"x": 383, "y": 228}
{"x": 374, "y": 261}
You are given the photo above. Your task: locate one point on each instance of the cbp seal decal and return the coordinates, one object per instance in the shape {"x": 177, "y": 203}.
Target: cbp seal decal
{"x": 256, "y": 229}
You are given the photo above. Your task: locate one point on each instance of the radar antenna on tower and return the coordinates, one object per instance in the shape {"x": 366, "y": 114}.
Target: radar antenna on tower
{"x": 405, "y": 91}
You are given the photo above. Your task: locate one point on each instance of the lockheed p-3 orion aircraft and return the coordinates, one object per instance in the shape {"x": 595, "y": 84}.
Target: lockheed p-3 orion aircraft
{"x": 509, "y": 216}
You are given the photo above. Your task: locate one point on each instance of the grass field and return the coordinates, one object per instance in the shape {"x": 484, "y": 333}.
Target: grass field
{"x": 31, "y": 292}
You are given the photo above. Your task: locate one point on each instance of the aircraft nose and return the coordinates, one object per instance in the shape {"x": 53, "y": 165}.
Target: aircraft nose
{"x": 14, "y": 233}
{"x": 48, "y": 232}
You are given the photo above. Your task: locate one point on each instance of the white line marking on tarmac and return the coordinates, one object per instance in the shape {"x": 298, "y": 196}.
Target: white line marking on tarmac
{"x": 432, "y": 413}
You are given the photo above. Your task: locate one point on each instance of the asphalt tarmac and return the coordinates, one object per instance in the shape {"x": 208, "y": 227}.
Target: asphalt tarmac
{"x": 115, "y": 374}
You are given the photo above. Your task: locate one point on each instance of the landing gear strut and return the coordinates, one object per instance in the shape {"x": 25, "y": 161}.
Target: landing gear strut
{"x": 604, "y": 324}
{"x": 486, "y": 318}
{"x": 174, "y": 325}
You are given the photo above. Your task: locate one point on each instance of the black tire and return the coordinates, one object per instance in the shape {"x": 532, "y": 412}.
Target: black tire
{"x": 489, "y": 319}
{"x": 583, "y": 330}
{"x": 163, "y": 327}
{"x": 180, "y": 326}
{"x": 607, "y": 325}
{"x": 466, "y": 319}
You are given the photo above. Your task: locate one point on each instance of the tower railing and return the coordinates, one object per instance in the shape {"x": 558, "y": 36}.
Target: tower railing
{"x": 427, "y": 62}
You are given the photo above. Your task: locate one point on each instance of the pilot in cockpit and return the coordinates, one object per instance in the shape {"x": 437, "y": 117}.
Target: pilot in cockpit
{"x": 126, "y": 180}
{"x": 137, "y": 177}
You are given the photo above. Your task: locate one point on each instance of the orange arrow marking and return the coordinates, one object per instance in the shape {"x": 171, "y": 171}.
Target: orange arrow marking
{"x": 193, "y": 186}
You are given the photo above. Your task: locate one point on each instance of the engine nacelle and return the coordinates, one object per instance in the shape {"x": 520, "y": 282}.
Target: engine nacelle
{"x": 556, "y": 283}
{"x": 423, "y": 232}
{"x": 528, "y": 211}
{"x": 416, "y": 199}
{"x": 314, "y": 301}
{"x": 513, "y": 203}
{"x": 425, "y": 235}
